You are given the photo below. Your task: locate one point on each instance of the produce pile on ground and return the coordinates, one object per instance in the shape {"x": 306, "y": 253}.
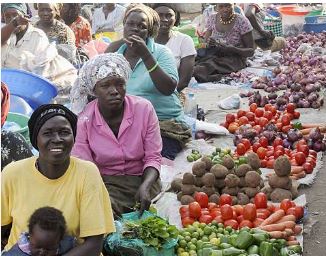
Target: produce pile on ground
{"x": 204, "y": 224}
{"x": 214, "y": 176}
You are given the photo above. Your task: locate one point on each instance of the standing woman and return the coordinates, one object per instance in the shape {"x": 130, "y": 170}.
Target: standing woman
{"x": 230, "y": 43}
{"x": 181, "y": 45}
{"x": 56, "y": 179}
{"x": 70, "y": 13}
{"x": 154, "y": 76}
{"x": 56, "y": 30}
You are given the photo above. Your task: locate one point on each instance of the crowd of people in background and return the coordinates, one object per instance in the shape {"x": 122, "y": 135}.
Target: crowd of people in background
{"x": 100, "y": 151}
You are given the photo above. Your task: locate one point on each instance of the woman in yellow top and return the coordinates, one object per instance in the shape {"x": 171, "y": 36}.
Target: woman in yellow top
{"x": 57, "y": 180}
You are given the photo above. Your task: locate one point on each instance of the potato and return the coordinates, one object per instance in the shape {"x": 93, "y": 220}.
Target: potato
{"x": 219, "y": 183}
{"x": 186, "y": 199}
{"x": 188, "y": 189}
{"x": 208, "y": 179}
{"x": 208, "y": 190}
{"x": 188, "y": 179}
{"x": 198, "y": 189}
{"x": 231, "y": 180}
{"x": 294, "y": 191}
{"x": 242, "y": 182}
{"x": 280, "y": 182}
{"x": 252, "y": 179}
{"x": 242, "y": 170}
{"x": 243, "y": 199}
{"x": 234, "y": 200}
{"x": 253, "y": 160}
{"x": 214, "y": 198}
{"x": 267, "y": 190}
{"x": 279, "y": 194}
{"x": 219, "y": 171}
{"x": 199, "y": 181}
{"x": 208, "y": 162}
{"x": 199, "y": 168}
{"x": 261, "y": 183}
{"x": 251, "y": 192}
{"x": 176, "y": 185}
{"x": 179, "y": 195}
{"x": 228, "y": 162}
{"x": 231, "y": 191}
{"x": 282, "y": 166}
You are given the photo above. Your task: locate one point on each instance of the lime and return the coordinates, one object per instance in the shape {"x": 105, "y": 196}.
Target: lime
{"x": 205, "y": 239}
{"x": 228, "y": 228}
{"x": 192, "y": 247}
{"x": 207, "y": 231}
{"x": 199, "y": 244}
{"x": 213, "y": 235}
{"x": 192, "y": 253}
{"x": 220, "y": 230}
{"x": 193, "y": 240}
{"x": 202, "y": 225}
{"x": 187, "y": 238}
{"x": 184, "y": 254}
{"x": 182, "y": 243}
{"x": 215, "y": 241}
{"x": 195, "y": 235}
{"x": 194, "y": 151}
{"x": 195, "y": 224}
{"x": 180, "y": 250}
{"x": 190, "y": 158}
{"x": 191, "y": 229}
{"x": 220, "y": 225}
{"x": 226, "y": 232}
{"x": 186, "y": 233}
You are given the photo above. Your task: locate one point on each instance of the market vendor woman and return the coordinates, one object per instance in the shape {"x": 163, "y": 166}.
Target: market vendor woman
{"x": 229, "y": 43}
{"x": 119, "y": 133}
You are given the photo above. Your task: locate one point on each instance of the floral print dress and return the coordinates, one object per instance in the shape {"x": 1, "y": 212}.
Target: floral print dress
{"x": 82, "y": 30}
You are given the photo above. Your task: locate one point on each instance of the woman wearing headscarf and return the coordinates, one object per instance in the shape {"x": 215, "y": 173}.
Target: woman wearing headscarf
{"x": 58, "y": 180}
{"x": 13, "y": 145}
{"x": 154, "y": 76}
{"x": 70, "y": 13}
{"x": 230, "y": 43}
{"x": 181, "y": 45}
{"x": 119, "y": 133}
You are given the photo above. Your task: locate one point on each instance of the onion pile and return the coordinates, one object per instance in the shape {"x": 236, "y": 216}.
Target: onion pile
{"x": 315, "y": 140}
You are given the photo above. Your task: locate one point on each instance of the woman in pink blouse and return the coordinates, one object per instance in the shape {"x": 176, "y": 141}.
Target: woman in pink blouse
{"x": 120, "y": 133}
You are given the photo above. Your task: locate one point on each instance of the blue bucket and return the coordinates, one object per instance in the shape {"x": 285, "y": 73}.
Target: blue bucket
{"x": 34, "y": 89}
{"x": 19, "y": 105}
{"x": 315, "y": 24}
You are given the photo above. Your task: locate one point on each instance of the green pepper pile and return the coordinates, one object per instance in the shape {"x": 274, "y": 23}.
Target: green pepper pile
{"x": 213, "y": 239}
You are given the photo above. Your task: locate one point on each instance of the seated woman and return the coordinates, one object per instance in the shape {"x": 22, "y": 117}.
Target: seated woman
{"x": 154, "y": 76}
{"x": 181, "y": 45}
{"x": 119, "y": 133}
{"x": 70, "y": 13}
{"x": 56, "y": 30}
{"x": 230, "y": 42}
{"x": 56, "y": 179}
{"x": 13, "y": 145}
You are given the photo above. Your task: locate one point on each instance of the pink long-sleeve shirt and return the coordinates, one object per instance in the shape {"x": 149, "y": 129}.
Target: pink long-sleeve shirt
{"x": 137, "y": 146}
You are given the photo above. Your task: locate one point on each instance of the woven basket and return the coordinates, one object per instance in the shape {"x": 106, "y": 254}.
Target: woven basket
{"x": 274, "y": 25}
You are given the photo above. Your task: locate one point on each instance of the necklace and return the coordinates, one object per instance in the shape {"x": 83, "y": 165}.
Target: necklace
{"x": 228, "y": 21}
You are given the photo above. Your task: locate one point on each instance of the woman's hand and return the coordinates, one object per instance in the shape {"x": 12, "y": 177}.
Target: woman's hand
{"x": 211, "y": 42}
{"x": 143, "y": 196}
{"x": 136, "y": 42}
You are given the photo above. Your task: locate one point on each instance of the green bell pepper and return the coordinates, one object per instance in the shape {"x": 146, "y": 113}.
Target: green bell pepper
{"x": 224, "y": 239}
{"x": 295, "y": 248}
{"x": 244, "y": 240}
{"x": 233, "y": 240}
{"x": 260, "y": 237}
{"x": 232, "y": 251}
{"x": 224, "y": 246}
{"x": 216, "y": 253}
{"x": 266, "y": 249}
{"x": 253, "y": 249}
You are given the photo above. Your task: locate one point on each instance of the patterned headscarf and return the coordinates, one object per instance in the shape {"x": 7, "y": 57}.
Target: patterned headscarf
{"x": 5, "y": 102}
{"x": 18, "y": 6}
{"x": 94, "y": 70}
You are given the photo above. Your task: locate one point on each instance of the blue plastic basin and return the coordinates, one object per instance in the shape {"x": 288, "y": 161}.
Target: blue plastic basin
{"x": 19, "y": 105}
{"x": 35, "y": 90}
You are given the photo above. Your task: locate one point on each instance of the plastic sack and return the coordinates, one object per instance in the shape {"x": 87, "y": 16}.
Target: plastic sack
{"x": 95, "y": 47}
{"x": 232, "y": 102}
{"x": 211, "y": 128}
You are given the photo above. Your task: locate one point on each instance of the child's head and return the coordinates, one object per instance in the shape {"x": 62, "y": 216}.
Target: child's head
{"x": 47, "y": 227}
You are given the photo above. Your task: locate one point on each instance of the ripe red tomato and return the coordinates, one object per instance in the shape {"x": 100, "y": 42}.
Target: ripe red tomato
{"x": 255, "y": 146}
{"x": 279, "y": 126}
{"x": 240, "y": 218}
{"x": 291, "y": 211}
{"x": 253, "y": 107}
{"x": 241, "y": 149}
{"x": 202, "y": 199}
{"x": 273, "y": 110}
{"x": 277, "y": 142}
{"x": 238, "y": 209}
{"x": 303, "y": 148}
{"x": 246, "y": 143}
{"x": 250, "y": 116}
{"x": 246, "y": 223}
{"x": 285, "y": 120}
{"x": 227, "y": 212}
{"x": 257, "y": 222}
{"x": 308, "y": 167}
{"x": 271, "y": 207}
{"x": 280, "y": 148}
{"x": 270, "y": 164}
{"x": 183, "y": 209}
{"x": 225, "y": 199}
{"x": 215, "y": 212}
{"x": 211, "y": 206}
{"x": 263, "y": 121}
{"x": 313, "y": 153}
{"x": 278, "y": 153}
{"x": 205, "y": 212}
{"x": 241, "y": 113}
{"x": 299, "y": 212}
{"x": 259, "y": 112}
{"x": 268, "y": 106}
{"x": 300, "y": 158}
{"x": 261, "y": 152}
{"x": 258, "y": 128}
{"x": 205, "y": 219}
{"x": 290, "y": 107}
{"x": 268, "y": 115}
{"x": 194, "y": 210}
{"x": 296, "y": 115}
{"x": 263, "y": 141}
{"x": 187, "y": 221}
{"x": 286, "y": 204}
{"x": 243, "y": 120}
{"x": 232, "y": 223}
{"x": 250, "y": 212}
{"x": 230, "y": 118}
{"x": 260, "y": 200}
{"x": 263, "y": 163}
{"x": 264, "y": 213}
{"x": 218, "y": 219}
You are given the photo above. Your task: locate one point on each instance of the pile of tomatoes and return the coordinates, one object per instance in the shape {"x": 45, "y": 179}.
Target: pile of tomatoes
{"x": 258, "y": 118}
{"x": 237, "y": 216}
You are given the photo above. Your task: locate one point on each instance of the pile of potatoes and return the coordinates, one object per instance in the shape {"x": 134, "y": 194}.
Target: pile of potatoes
{"x": 241, "y": 182}
{"x": 280, "y": 185}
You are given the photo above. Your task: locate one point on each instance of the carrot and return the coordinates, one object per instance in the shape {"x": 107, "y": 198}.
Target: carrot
{"x": 297, "y": 229}
{"x": 306, "y": 131}
{"x": 296, "y": 169}
{"x": 289, "y": 217}
{"x": 292, "y": 238}
{"x": 300, "y": 175}
{"x": 273, "y": 227}
{"x": 274, "y": 217}
{"x": 289, "y": 224}
{"x": 277, "y": 234}
{"x": 288, "y": 232}
{"x": 295, "y": 242}
{"x": 306, "y": 126}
